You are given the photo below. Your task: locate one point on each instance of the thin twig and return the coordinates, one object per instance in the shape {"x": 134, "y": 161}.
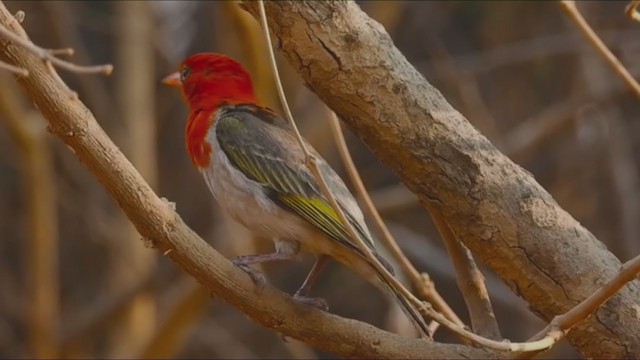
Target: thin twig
{"x": 49, "y": 55}
{"x": 276, "y": 75}
{"x": 135, "y": 90}
{"x": 185, "y": 312}
{"x": 19, "y": 15}
{"x": 560, "y": 325}
{"x": 14, "y": 69}
{"x": 572, "y": 11}
{"x": 632, "y": 10}
{"x": 421, "y": 282}
{"x": 470, "y": 281}
{"x": 392, "y": 198}
{"x": 87, "y": 322}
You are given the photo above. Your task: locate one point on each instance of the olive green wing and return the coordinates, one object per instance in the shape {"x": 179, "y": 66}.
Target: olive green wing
{"x": 247, "y": 135}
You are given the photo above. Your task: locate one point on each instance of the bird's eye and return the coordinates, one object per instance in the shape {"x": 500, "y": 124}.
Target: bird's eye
{"x": 185, "y": 74}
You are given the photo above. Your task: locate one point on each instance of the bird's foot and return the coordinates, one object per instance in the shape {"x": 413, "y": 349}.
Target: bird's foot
{"x": 257, "y": 276}
{"x": 319, "y": 303}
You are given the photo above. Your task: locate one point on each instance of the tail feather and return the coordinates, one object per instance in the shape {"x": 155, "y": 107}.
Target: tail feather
{"x": 415, "y": 317}
{"x": 413, "y": 314}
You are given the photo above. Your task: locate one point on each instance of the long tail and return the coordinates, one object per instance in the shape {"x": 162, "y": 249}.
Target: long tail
{"x": 408, "y": 309}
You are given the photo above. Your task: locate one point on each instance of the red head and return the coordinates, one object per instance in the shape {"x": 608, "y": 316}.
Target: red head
{"x": 208, "y": 79}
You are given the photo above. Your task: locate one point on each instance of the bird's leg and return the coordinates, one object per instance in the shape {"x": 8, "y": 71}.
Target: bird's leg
{"x": 285, "y": 250}
{"x": 302, "y": 295}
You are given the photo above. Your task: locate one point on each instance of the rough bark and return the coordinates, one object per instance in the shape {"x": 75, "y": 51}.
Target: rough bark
{"x": 498, "y": 210}
{"x": 154, "y": 218}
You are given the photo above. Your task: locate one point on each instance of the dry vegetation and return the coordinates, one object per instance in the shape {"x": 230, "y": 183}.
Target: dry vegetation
{"x": 545, "y": 91}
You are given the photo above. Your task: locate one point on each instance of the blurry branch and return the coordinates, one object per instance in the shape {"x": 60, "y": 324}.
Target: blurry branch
{"x": 299, "y": 350}
{"x": 492, "y": 205}
{"x": 191, "y": 303}
{"x": 632, "y": 10}
{"x": 254, "y": 47}
{"x": 393, "y": 198}
{"x": 430, "y": 256}
{"x": 98, "y": 317}
{"x": 162, "y": 227}
{"x": 387, "y": 13}
{"x": 14, "y": 69}
{"x": 625, "y": 179}
{"x": 543, "y": 46}
{"x": 559, "y": 326}
{"x": 49, "y": 55}
{"x": 41, "y": 248}
{"x": 470, "y": 281}
{"x": 421, "y": 282}
{"x": 466, "y": 86}
{"x": 531, "y": 134}
{"x": 224, "y": 343}
{"x": 64, "y": 17}
{"x": 136, "y": 94}
{"x": 572, "y": 11}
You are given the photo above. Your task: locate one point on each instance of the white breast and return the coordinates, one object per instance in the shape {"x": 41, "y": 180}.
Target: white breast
{"x": 245, "y": 201}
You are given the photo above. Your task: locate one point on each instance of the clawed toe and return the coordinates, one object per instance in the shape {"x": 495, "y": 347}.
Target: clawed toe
{"x": 258, "y": 277}
{"x": 319, "y": 303}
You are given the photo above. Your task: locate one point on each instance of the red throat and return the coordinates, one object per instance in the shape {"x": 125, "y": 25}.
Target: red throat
{"x": 198, "y": 148}
{"x": 210, "y": 81}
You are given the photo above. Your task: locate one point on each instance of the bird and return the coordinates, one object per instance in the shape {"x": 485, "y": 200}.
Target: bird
{"x": 255, "y": 168}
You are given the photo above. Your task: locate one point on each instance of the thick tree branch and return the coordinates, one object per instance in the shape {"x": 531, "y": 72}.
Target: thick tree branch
{"x": 495, "y": 207}
{"x": 155, "y": 219}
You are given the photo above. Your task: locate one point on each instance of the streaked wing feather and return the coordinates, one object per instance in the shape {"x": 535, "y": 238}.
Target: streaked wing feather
{"x": 247, "y": 141}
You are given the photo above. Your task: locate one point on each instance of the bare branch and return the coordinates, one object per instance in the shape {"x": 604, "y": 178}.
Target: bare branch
{"x": 470, "y": 281}
{"x": 632, "y": 10}
{"x": 70, "y": 120}
{"x": 14, "y": 69}
{"x": 135, "y": 94}
{"x": 49, "y": 55}
{"x": 570, "y": 8}
{"x": 182, "y": 316}
{"x": 561, "y": 324}
{"x": 19, "y": 15}
{"x": 101, "y": 313}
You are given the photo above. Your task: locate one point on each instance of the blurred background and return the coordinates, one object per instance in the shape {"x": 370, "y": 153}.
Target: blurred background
{"x": 75, "y": 279}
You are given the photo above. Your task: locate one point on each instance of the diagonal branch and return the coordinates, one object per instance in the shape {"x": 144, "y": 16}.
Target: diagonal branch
{"x": 50, "y": 55}
{"x": 470, "y": 281}
{"x": 632, "y": 10}
{"x": 570, "y": 8}
{"x": 155, "y": 219}
{"x": 561, "y": 324}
